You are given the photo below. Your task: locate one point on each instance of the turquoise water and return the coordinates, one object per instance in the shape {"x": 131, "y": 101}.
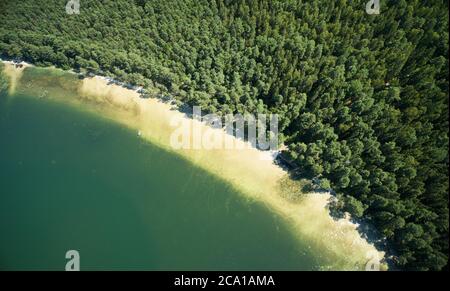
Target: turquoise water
{"x": 72, "y": 180}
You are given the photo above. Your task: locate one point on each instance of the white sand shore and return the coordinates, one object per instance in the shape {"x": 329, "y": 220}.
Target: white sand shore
{"x": 258, "y": 179}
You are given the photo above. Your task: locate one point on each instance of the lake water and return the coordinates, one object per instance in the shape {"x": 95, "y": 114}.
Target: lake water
{"x": 70, "y": 179}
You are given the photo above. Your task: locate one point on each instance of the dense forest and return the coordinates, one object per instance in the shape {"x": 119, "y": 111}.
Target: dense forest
{"x": 362, "y": 99}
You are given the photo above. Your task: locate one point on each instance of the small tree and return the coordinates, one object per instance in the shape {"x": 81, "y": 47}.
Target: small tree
{"x": 354, "y": 206}
{"x": 324, "y": 184}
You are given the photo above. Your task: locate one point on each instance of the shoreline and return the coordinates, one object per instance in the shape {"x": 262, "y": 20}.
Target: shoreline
{"x": 14, "y": 70}
{"x": 257, "y": 179}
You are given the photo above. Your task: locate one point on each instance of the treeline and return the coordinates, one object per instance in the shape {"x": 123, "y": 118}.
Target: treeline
{"x": 362, "y": 99}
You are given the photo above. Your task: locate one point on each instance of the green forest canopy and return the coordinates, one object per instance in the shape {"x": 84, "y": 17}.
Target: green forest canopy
{"x": 362, "y": 99}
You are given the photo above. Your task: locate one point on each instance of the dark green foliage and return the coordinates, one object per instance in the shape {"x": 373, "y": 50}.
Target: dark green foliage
{"x": 354, "y": 206}
{"x": 362, "y": 99}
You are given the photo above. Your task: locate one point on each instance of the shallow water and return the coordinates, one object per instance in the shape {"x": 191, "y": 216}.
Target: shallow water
{"x": 75, "y": 175}
{"x": 70, "y": 180}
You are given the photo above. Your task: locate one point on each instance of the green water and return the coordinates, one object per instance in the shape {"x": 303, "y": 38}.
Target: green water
{"x": 72, "y": 180}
